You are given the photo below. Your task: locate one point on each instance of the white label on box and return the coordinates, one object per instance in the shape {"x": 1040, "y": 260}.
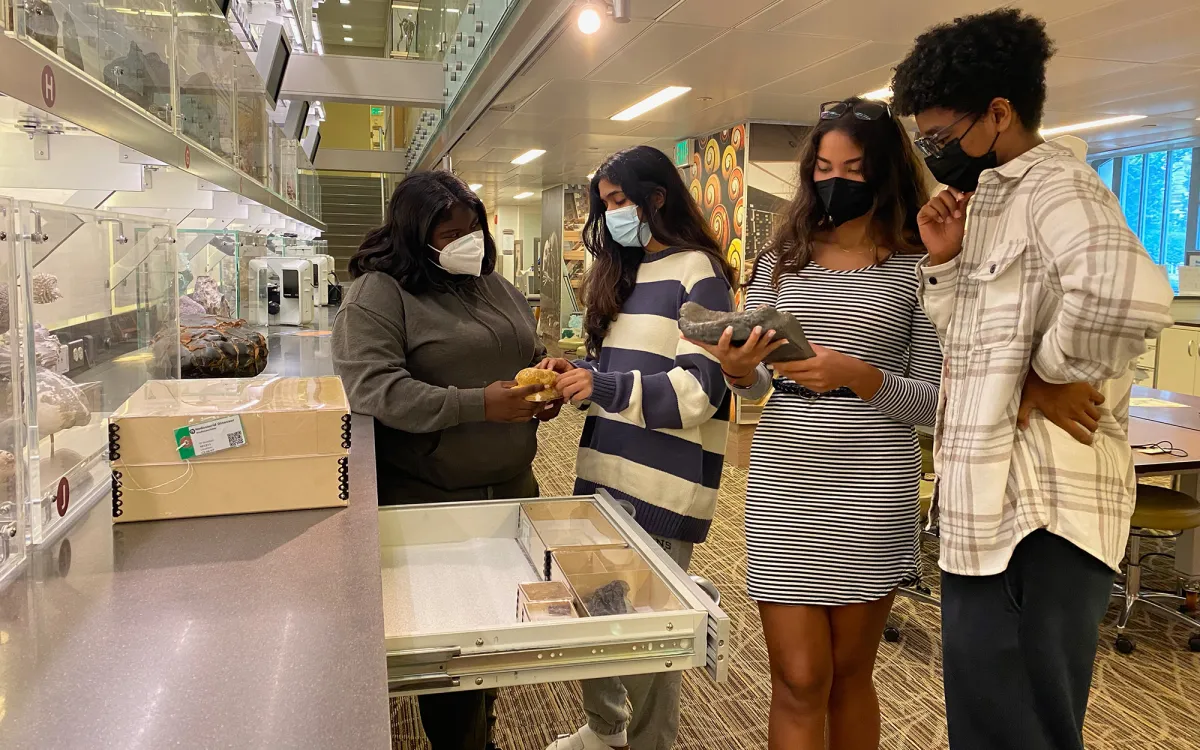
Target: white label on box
{"x": 210, "y": 437}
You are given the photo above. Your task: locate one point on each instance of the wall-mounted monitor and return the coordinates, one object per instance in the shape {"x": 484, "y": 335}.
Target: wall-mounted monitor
{"x": 297, "y": 116}
{"x": 314, "y": 143}
{"x": 274, "y": 53}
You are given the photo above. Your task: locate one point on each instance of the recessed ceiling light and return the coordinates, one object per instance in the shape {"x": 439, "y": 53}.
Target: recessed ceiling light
{"x": 528, "y": 156}
{"x": 523, "y": 196}
{"x": 654, "y": 100}
{"x": 882, "y": 94}
{"x": 592, "y": 176}
{"x": 346, "y": 26}
{"x": 475, "y": 185}
{"x": 453, "y": 10}
{"x": 404, "y": 6}
{"x": 589, "y": 19}
{"x": 345, "y": 2}
{"x": 1090, "y": 125}
{"x": 347, "y": 39}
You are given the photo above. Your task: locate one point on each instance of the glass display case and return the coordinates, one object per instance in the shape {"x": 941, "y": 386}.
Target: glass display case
{"x": 465, "y": 605}
{"x": 179, "y": 61}
{"x": 205, "y": 67}
{"x": 208, "y": 272}
{"x": 12, "y": 481}
{"x": 214, "y": 271}
{"x": 89, "y": 292}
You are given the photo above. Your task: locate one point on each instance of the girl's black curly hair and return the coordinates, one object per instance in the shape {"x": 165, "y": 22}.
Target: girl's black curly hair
{"x": 963, "y": 65}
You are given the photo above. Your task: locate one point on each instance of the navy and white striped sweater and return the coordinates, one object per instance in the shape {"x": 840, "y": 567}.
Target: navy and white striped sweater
{"x": 656, "y": 431}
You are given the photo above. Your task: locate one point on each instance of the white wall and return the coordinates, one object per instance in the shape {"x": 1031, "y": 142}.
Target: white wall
{"x": 526, "y": 223}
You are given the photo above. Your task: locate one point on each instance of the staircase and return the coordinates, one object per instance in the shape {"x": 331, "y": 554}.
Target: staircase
{"x": 352, "y": 206}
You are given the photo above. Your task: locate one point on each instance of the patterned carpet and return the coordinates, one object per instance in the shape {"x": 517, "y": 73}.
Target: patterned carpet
{"x": 1147, "y": 701}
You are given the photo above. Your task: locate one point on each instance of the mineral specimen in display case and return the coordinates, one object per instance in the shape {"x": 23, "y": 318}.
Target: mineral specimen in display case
{"x": 208, "y": 294}
{"x": 210, "y": 347}
{"x": 45, "y": 289}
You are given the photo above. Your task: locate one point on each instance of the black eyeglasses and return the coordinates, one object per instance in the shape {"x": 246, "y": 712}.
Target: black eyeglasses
{"x": 932, "y": 145}
{"x": 863, "y": 110}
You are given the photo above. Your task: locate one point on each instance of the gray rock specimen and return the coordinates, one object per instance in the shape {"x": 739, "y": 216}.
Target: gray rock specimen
{"x": 609, "y": 599}
{"x": 701, "y": 324}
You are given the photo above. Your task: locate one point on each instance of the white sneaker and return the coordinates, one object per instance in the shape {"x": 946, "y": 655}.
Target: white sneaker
{"x": 586, "y": 739}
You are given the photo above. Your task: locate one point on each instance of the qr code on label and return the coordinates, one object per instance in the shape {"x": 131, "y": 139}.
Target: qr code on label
{"x": 236, "y": 439}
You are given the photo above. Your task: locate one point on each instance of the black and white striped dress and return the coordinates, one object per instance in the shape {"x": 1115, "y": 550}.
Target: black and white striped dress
{"x": 832, "y": 514}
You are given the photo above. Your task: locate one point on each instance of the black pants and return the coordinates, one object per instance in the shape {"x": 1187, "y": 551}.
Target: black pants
{"x": 1018, "y": 647}
{"x": 458, "y": 721}
{"x": 465, "y": 720}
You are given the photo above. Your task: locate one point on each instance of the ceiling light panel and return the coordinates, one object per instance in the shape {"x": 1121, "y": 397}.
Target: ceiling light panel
{"x": 653, "y": 101}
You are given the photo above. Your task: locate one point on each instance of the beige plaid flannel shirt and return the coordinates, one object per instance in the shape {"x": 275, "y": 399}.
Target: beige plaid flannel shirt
{"x": 1050, "y": 277}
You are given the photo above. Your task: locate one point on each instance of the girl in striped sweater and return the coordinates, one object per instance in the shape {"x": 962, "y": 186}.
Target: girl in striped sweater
{"x": 656, "y": 431}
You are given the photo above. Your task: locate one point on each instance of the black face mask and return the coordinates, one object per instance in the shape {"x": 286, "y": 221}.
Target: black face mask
{"x": 845, "y": 200}
{"x": 957, "y": 168}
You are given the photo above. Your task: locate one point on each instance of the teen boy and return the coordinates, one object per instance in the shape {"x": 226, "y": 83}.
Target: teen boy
{"x": 1036, "y": 284}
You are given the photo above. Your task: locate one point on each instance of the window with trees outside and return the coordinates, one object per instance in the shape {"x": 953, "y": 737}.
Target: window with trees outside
{"x": 1160, "y": 200}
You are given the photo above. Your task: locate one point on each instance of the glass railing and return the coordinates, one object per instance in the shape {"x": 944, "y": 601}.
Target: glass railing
{"x": 176, "y": 60}
{"x": 459, "y": 34}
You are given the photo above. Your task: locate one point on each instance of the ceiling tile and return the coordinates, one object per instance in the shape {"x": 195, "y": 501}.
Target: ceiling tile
{"x": 864, "y": 58}
{"x": 898, "y": 21}
{"x": 741, "y": 61}
{"x": 1065, "y": 70}
{"x": 774, "y": 15}
{"x": 662, "y": 45}
{"x": 722, "y": 14}
{"x": 651, "y": 9}
{"x": 1109, "y": 17}
{"x": 574, "y": 55}
{"x": 1151, "y": 41}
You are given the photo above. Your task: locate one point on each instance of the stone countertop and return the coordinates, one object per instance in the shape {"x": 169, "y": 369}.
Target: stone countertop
{"x": 255, "y": 631}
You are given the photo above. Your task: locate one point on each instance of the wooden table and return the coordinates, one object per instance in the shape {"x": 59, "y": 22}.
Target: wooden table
{"x": 1180, "y": 425}
{"x": 1187, "y": 416}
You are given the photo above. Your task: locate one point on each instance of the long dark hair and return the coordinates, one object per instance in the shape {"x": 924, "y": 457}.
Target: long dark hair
{"x": 890, "y": 166}
{"x": 400, "y": 248}
{"x": 642, "y": 173}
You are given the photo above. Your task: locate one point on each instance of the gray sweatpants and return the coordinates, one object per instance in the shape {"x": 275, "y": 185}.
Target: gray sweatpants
{"x": 645, "y": 705}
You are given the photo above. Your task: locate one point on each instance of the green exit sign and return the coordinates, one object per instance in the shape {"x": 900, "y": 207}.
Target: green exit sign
{"x": 376, "y": 111}
{"x": 683, "y": 153}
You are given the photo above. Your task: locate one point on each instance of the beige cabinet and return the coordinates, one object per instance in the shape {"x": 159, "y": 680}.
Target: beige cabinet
{"x": 1178, "y": 353}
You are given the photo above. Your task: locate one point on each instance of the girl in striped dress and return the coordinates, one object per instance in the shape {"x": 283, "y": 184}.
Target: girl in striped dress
{"x": 831, "y": 503}
{"x": 655, "y": 433}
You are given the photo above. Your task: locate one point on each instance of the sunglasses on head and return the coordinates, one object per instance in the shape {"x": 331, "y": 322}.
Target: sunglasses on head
{"x": 863, "y": 110}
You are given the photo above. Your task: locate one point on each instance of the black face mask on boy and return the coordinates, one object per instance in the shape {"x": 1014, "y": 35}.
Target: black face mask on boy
{"x": 845, "y": 200}
{"x": 957, "y": 168}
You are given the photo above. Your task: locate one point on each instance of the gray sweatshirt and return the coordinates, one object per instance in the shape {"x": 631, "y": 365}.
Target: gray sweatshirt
{"x": 419, "y": 364}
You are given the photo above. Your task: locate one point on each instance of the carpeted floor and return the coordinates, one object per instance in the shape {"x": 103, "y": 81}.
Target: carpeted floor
{"x": 1147, "y": 701}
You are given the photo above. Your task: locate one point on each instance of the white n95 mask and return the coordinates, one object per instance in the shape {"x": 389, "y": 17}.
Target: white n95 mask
{"x": 464, "y": 256}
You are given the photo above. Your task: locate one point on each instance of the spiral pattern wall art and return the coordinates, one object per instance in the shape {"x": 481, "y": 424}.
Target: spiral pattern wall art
{"x": 718, "y": 184}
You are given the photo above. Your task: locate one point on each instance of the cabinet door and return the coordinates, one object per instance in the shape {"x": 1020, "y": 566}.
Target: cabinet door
{"x": 1176, "y": 369}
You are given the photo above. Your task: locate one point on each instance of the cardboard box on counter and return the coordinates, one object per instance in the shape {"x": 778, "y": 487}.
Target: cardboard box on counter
{"x": 187, "y": 448}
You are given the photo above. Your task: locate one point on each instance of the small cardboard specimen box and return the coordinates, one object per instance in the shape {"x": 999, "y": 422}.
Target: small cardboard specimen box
{"x": 570, "y": 562}
{"x": 646, "y": 592}
{"x": 541, "y": 601}
{"x": 543, "y": 528}
{"x": 187, "y": 448}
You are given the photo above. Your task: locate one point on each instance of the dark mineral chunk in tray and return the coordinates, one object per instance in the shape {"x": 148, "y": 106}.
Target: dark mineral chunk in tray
{"x": 609, "y": 599}
{"x": 699, "y": 323}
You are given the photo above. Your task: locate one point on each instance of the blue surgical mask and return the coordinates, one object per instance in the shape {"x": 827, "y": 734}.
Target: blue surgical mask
{"x": 626, "y": 228}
